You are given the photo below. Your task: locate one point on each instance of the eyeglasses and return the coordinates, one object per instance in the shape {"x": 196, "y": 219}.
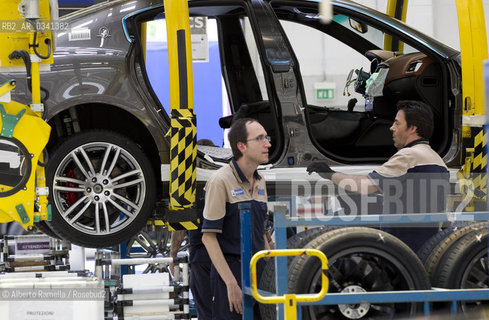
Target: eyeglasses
{"x": 261, "y": 139}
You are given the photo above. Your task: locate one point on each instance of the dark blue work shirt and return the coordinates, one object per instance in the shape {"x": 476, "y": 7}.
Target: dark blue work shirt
{"x": 224, "y": 191}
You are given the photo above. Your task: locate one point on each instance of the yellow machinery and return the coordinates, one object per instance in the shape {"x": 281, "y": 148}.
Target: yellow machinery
{"x": 183, "y": 131}
{"x": 26, "y": 43}
{"x": 473, "y": 45}
{"x": 398, "y": 10}
{"x": 181, "y": 213}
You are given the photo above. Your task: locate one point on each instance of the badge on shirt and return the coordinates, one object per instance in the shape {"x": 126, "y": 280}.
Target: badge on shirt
{"x": 261, "y": 192}
{"x": 237, "y": 192}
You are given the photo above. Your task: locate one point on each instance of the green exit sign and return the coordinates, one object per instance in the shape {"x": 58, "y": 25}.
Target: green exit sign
{"x": 324, "y": 94}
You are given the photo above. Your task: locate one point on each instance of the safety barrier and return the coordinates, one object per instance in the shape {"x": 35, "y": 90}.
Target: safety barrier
{"x": 289, "y": 300}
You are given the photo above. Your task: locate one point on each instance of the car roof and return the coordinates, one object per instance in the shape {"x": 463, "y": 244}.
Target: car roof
{"x": 399, "y": 26}
{"x": 370, "y": 14}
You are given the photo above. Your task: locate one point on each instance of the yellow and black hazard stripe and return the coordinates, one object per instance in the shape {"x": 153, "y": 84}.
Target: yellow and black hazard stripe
{"x": 472, "y": 176}
{"x": 183, "y": 130}
{"x": 183, "y": 155}
{"x": 182, "y": 225}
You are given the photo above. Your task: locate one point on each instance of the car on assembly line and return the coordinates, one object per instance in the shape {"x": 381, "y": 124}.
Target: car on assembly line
{"x": 105, "y": 99}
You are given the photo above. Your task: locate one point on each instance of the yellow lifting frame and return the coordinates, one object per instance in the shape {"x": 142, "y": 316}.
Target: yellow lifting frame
{"x": 473, "y": 46}
{"x": 183, "y": 132}
{"x": 179, "y": 54}
{"x": 33, "y": 133}
{"x": 398, "y": 10}
{"x": 7, "y": 87}
{"x": 289, "y": 300}
{"x": 42, "y": 202}
{"x": 31, "y": 130}
{"x": 16, "y": 33}
{"x": 394, "y": 7}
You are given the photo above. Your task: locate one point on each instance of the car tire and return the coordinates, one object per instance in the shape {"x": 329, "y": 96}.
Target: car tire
{"x": 428, "y": 247}
{"x": 46, "y": 229}
{"x": 360, "y": 260}
{"x": 465, "y": 266}
{"x": 102, "y": 189}
{"x": 432, "y": 262}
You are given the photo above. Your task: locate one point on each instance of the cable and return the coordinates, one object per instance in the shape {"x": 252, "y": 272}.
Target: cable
{"x": 34, "y": 45}
{"x": 46, "y": 158}
{"x": 24, "y": 55}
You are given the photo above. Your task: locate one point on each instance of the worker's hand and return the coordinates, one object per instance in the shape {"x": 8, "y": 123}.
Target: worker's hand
{"x": 322, "y": 168}
{"x": 271, "y": 245}
{"x": 235, "y": 298}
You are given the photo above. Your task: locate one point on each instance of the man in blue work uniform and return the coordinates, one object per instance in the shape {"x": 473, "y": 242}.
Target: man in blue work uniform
{"x": 414, "y": 180}
{"x": 238, "y": 182}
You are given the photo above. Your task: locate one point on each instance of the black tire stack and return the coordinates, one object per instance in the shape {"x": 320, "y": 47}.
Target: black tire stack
{"x": 366, "y": 259}
{"x": 460, "y": 261}
{"x": 360, "y": 259}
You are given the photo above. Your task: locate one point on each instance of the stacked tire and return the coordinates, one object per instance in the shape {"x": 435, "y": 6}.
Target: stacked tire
{"x": 460, "y": 261}
{"x": 360, "y": 260}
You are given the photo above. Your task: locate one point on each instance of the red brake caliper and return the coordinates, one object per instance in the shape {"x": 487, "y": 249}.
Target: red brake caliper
{"x": 71, "y": 197}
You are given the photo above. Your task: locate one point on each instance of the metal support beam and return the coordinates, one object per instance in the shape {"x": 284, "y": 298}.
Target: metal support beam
{"x": 473, "y": 45}
{"x": 398, "y": 10}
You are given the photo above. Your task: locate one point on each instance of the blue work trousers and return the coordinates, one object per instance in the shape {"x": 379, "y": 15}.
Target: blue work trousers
{"x": 220, "y": 302}
{"x": 200, "y": 285}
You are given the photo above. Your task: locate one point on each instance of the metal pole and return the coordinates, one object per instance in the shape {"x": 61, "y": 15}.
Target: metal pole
{"x": 185, "y": 283}
{"x": 246, "y": 246}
